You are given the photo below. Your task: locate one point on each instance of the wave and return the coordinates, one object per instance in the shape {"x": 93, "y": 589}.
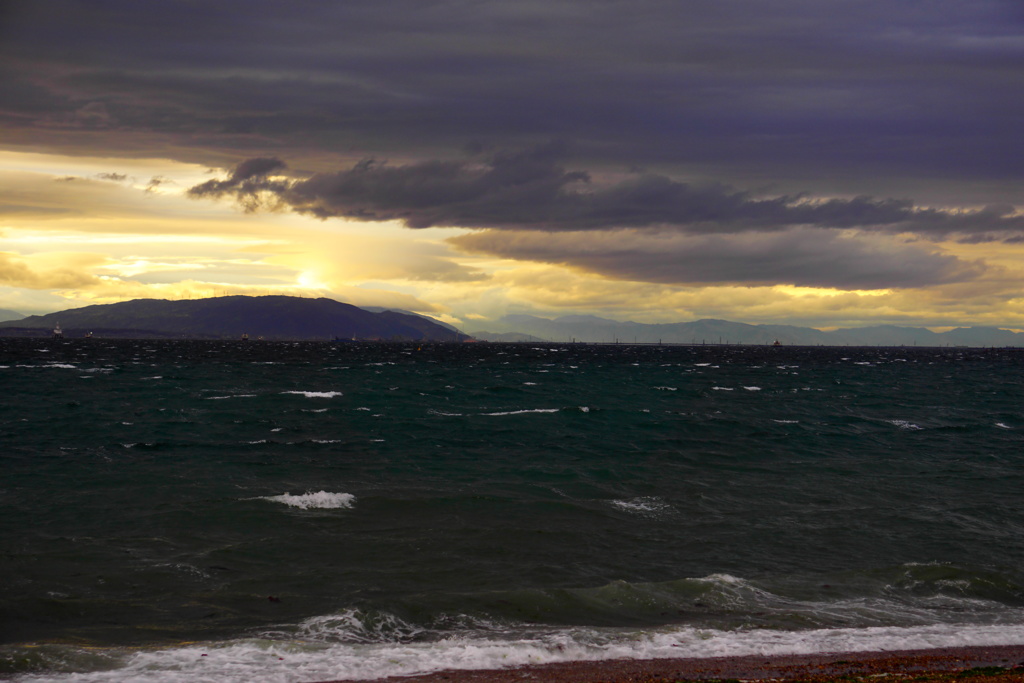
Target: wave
{"x": 645, "y": 505}
{"x": 912, "y": 606}
{"x": 903, "y": 596}
{"x": 315, "y": 394}
{"x": 270, "y": 659}
{"x": 61, "y": 366}
{"x": 905, "y": 424}
{"x": 321, "y": 500}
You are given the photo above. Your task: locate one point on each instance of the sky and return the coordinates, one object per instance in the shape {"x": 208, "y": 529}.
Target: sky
{"x": 827, "y": 163}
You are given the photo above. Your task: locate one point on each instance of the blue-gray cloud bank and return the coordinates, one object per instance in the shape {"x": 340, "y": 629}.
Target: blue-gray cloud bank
{"x": 789, "y": 89}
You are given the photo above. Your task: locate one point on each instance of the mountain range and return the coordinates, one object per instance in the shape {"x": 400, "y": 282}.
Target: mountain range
{"x": 288, "y": 317}
{"x": 231, "y": 317}
{"x": 588, "y": 328}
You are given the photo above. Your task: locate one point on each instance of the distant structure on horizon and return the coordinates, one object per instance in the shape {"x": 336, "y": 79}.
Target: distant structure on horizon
{"x": 593, "y": 329}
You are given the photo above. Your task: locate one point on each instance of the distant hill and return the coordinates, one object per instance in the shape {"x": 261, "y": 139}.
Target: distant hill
{"x": 381, "y": 309}
{"x": 6, "y": 314}
{"x": 229, "y": 317}
{"x": 506, "y": 337}
{"x": 587, "y": 328}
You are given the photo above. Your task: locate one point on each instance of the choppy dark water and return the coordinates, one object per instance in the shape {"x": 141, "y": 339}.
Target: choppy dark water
{"x": 413, "y": 507}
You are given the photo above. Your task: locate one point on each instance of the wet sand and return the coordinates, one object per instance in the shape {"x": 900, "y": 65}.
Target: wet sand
{"x": 1002, "y": 664}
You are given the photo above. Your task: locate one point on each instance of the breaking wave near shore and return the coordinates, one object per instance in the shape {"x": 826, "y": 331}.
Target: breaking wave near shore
{"x": 361, "y": 644}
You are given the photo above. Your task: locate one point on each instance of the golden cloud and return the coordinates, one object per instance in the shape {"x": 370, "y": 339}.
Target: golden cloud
{"x": 48, "y": 271}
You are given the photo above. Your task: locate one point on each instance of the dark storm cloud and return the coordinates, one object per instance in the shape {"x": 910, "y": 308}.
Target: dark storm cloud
{"x": 926, "y": 88}
{"x": 532, "y": 190}
{"x": 822, "y": 97}
{"x": 248, "y": 183}
{"x": 802, "y": 257}
{"x": 249, "y": 177}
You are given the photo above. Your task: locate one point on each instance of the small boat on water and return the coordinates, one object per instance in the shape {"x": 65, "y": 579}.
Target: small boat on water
{"x": 57, "y": 332}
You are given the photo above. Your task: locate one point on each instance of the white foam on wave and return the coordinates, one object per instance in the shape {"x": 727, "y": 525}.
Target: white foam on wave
{"x": 321, "y": 500}
{"x": 221, "y": 398}
{"x": 904, "y": 424}
{"x": 644, "y": 505}
{"x": 315, "y": 394}
{"x": 293, "y": 660}
{"x": 722, "y": 389}
{"x": 752, "y": 388}
{"x": 523, "y": 412}
{"x": 666, "y": 388}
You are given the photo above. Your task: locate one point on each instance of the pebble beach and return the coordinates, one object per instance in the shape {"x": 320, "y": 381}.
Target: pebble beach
{"x": 1003, "y": 664}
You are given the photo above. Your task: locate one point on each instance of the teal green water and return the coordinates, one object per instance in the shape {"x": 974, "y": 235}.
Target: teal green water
{"x": 156, "y": 492}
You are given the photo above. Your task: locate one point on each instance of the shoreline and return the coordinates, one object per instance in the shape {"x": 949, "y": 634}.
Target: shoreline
{"x": 913, "y": 665}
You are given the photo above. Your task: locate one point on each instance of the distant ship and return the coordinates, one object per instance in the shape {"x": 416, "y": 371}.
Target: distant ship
{"x": 57, "y": 332}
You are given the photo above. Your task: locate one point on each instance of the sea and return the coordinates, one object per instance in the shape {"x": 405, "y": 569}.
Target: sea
{"x": 184, "y": 510}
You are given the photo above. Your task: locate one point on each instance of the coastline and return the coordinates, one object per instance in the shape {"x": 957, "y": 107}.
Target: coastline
{"x": 1004, "y": 663}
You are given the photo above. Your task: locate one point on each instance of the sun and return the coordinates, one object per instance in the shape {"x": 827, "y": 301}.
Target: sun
{"x": 310, "y": 279}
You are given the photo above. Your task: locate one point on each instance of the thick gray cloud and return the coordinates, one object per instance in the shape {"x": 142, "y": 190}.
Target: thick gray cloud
{"x": 532, "y": 190}
{"x": 802, "y": 257}
{"x": 777, "y": 125}
{"x": 248, "y": 182}
{"x": 787, "y": 89}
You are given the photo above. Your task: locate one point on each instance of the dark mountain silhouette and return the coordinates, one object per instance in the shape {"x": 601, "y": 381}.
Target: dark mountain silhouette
{"x": 381, "y": 309}
{"x": 230, "y": 317}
